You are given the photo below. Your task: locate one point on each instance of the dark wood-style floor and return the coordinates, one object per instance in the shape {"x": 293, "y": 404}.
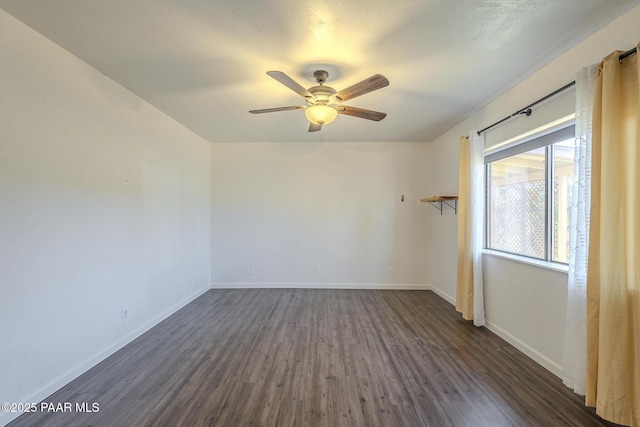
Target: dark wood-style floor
{"x": 294, "y": 357}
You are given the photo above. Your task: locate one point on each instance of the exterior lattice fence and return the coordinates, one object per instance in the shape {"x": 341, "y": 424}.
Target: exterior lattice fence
{"x": 517, "y": 222}
{"x": 561, "y": 228}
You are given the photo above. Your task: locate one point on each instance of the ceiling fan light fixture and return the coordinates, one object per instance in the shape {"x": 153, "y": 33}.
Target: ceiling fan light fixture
{"x": 324, "y": 103}
{"x": 321, "y": 114}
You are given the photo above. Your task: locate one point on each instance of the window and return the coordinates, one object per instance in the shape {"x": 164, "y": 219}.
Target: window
{"x": 528, "y": 196}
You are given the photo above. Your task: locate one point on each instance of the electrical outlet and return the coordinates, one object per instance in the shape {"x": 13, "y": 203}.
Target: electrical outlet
{"x": 392, "y": 271}
{"x": 125, "y": 314}
{"x": 318, "y": 270}
{"x": 252, "y": 271}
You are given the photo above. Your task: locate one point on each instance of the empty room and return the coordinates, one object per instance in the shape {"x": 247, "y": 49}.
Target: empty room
{"x": 319, "y": 213}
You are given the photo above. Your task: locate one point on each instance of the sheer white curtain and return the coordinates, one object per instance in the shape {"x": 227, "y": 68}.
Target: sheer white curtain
{"x": 575, "y": 346}
{"x": 477, "y": 205}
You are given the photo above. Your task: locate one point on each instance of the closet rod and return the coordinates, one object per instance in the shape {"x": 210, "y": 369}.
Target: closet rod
{"x": 527, "y": 110}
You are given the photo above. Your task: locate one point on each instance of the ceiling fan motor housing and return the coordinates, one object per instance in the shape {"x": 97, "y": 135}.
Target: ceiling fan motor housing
{"x": 322, "y": 94}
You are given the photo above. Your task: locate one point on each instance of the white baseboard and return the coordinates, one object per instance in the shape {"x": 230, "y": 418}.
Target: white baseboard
{"x": 532, "y": 353}
{"x": 49, "y": 389}
{"x": 445, "y": 296}
{"x": 280, "y": 285}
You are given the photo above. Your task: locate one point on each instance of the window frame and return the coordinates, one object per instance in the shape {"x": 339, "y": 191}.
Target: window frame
{"x": 547, "y": 140}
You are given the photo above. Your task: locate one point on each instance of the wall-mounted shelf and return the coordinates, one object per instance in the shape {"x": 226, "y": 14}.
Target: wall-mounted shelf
{"x": 438, "y": 201}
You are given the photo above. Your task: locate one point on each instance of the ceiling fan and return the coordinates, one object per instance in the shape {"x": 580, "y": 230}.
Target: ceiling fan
{"x": 324, "y": 103}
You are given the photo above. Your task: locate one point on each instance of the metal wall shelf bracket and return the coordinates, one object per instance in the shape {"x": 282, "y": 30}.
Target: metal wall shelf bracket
{"x": 438, "y": 201}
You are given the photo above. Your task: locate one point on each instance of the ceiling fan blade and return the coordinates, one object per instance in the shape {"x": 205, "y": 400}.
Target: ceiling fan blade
{"x": 361, "y": 113}
{"x": 290, "y": 83}
{"x": 372, "y": 83}
{"x": 273, "y": 110}
{"x": 314, "y": 127}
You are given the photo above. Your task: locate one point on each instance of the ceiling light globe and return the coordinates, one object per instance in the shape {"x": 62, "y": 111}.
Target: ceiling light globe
{"x": 321, "y": 114}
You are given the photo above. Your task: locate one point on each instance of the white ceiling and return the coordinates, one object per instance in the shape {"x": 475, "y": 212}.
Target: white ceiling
{"x": 203, "y": 62}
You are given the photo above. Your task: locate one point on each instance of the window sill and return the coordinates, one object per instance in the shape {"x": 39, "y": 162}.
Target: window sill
{"x": 555, "y": 266}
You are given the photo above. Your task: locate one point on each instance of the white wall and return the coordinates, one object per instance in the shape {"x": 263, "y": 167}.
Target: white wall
{"x": 104, "y": 205}
{"x": 524, "y": 304}
{"x": 285, "y": 209}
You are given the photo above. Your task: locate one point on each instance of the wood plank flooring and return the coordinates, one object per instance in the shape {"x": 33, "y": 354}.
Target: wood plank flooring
{"x": 304, "y": 357}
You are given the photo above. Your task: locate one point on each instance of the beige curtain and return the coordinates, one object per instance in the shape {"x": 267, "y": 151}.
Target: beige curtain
{"x": 464, "y": 286}
{"x": 469, "y": 289}
{"x": 613, "y": 281}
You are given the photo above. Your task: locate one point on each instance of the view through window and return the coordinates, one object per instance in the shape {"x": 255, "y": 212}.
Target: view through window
{"x": 528, "y": 197}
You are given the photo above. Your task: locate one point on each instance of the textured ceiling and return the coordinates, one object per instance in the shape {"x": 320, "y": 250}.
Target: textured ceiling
{"x": 203, "y": 62}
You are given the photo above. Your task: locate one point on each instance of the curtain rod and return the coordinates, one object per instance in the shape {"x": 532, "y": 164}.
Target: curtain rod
{"x": 527, "y": 110}
{"x": 627, "y": 53}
